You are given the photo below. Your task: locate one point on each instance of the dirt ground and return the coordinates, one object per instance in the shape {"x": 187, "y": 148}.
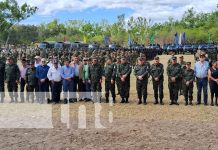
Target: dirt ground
{"x": 34, "y": 126}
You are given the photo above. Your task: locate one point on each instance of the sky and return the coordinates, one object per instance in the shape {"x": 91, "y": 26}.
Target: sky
{"x": 96, "y": 10}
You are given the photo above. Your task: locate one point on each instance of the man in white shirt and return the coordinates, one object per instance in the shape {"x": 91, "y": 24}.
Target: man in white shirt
{"x": 54, "y": 75}
{"x": 23, "y": 69}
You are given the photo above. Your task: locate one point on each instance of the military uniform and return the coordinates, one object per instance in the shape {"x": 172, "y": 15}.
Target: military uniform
{"x": 124, "y": 70}
{"x": 31, "y": 82}
{"x": 141, "y": 85}
{"x": 173, "y": 70}
{"x": 182, "y": 63}
{"x": 188, "y": 79}
{"x": 118, "y": 81}
{"x": 12, "y": 74}
{"x": 110, "y": 75}
{"x": 95, "y": 76}
{"x": 156, "y": 72}
{"x": 2, "y": 77}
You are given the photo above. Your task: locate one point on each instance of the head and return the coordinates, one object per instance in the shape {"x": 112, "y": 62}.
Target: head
{"x": 188, "y": 65}
{"x": 23, "y": 62}
{"x": 10, "y": 60}
{"x": 156, "y": 60}
{"x": 202, "y": 57}
{"x": 174, "y": 60}
{"x": 181, "y": 58}
{"x": 43, "y": 61}
{"x": 109, "y": 61}
{"x": 31, "y": 64}
{"x": 141, "y": 61}
{"x": 67, "y": 63}
{"x": 123, "y": 60}
{"x": 94, "y": 61}
{"x": 85, "y": 61}
{"x": 76, "y": 59}
{"x": 214, "y": 64}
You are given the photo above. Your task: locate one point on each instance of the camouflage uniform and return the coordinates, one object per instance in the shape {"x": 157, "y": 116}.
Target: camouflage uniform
{"x": 188, "y": 76}
{"x": 141, "y": 85}
{"x": 157, "y": 71}
{"x": 173, "y": 70}
{"x": 2, "y": 77}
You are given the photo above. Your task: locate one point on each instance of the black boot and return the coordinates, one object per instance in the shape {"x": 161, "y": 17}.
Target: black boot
{"x": 190, "y": 102}
{"x": 216, "y": 102}
{"x": 139, "y": 102}
{"x": 156, "y": 102}
{"x": 114, "y": 100}
{"x": 65, "y": 101}
{"x": 123, "y": 100}
{"x": 161, "y": 102}
{"x": 186, "y": 102}
{"x": 171, "y": 103}
{"x": 145, "y": 102}
{"x": 127, "y": 101}
{"x": 107, "y": 100}
{"x": 212, "y": 104}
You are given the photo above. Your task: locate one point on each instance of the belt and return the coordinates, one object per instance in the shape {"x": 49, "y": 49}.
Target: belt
{"x": 201, "y": 78}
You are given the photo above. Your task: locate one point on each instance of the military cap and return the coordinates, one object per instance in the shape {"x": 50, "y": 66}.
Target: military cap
{"x": 174, "y": 58}
{"x": 156, "y": 58}
{"x": 118, "y": 57}
{"x": 108, "y": 58}
{"x": 37, "y": 57}
{"x": 123, "y": 57}
{"x": 94, "y": 58}
{"x": 188, "y": 63}
{"x": 85, "y": 59}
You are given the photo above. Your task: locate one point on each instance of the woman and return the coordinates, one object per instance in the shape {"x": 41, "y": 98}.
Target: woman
{"x": 213, "y": 81}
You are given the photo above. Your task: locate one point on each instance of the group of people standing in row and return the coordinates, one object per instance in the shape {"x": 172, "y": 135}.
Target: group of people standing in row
{"x": 82, "y": 80}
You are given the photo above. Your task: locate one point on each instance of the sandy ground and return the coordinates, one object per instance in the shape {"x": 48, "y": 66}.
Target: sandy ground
{"x": 122, "y": 126}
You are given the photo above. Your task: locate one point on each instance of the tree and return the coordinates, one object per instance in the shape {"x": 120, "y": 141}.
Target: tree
{"x": 11, "y": 14}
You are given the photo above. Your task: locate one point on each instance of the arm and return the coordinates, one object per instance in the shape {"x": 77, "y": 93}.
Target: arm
{"x": 210, "y": 77}
{"x": 162, "y": 72}
{"x": 49, "y": 75}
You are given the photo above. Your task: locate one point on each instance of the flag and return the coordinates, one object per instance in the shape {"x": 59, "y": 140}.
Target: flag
{"x": 176, "y": 39}
{"x": 129, "y": 40}
{"x": 152, "y": 38}
{"x": 184, "y": 38}
{"x": 106, "y": 41}
{"x": 180, "y": 38}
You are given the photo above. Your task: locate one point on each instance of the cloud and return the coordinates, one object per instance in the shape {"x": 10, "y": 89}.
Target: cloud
{"x": 156, "y": 10}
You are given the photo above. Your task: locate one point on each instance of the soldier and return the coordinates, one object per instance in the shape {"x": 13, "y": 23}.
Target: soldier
{"x": 31, "y": 81}
{"x": 110, "y": 76}
{"x": 183, "y": 65}
{"x": 124, "y": 71}
{"x": 118, "y": 81}
{"x": 95, "y": 78}
{"x": 86, "y": 63}
{"x": 2, "y": 77}
{"x": 156, "y": 72}
{"x": 141, "y": 72}
{"x": 188, "y": 79}
{"x": 173, "y": 72}
{"x": 12, "y": 74}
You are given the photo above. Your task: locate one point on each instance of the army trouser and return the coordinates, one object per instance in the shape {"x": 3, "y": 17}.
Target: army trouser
{"x": 2, "y": 92}
{"x": 174, "y": 91}
{"x": 141, "y": 87}
{"x": 109, "y": 88}
{"x": 96, "y": 91}
{"x": 118, "y": 82}
{"x": 188, "y": 92}
{"x": 22, "y": 85}
{"x": 124, "y": 88}
{"x": 12, "y": 89}
{"x": 158, "y": 88}
{"x": 180, "y": 86}
{"x": 30, "y": 92}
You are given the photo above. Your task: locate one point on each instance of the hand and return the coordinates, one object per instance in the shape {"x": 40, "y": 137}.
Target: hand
{"x": 68, "y": 79}
{"x": 100, "y": 81}
{"x": 17, "y": 81}
{"x": 173, "y": 79}
{"x": 112, "y": 81}
{"x": 89, "y": 81}
{"x": 187, "y": 83}
{"x": 122, "y": 79}
{"x": 42, "y": 80}
{"x": 83, "y": 81}
{"x": 124, "y": 76}
{"x": 156, "y": 79}
{"x": 140, "y": 77}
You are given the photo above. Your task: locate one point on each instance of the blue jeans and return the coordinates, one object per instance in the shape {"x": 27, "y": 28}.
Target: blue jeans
{"x": 202, "y": 83}
{"x": 68, "y": 87}
{"x": 87, "y": 89}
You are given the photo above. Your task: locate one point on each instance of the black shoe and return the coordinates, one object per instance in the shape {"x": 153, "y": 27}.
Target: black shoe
{"x": 145, "y": 103}
{"x": 139, "y": 102}
{"x": 176, "y": 103}
{"x": 65, "y": 101}
{"x": 161, "y": 102}
{"x": 126, "y": 100}
{"x": 198, "y": 103}
{"x": 123, "y": 100}
{"x": 186, "y": 103}
{"x": 212, "y": 104}
{"x": 171, "y": 103}
{"x": 205, "y": 104}
{"x": 156, "y": 102}
{"x": 190, "y": 103}
{"x": 71, "y": 100}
